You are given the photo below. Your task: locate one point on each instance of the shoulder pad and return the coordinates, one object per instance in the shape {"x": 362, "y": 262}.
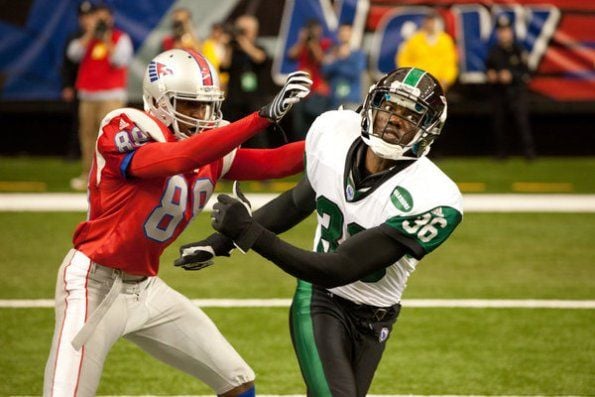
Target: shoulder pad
{"x": 147, "y": 124}
{"x": 340, "y": 123}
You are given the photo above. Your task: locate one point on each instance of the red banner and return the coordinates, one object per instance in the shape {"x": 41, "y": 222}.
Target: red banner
{"x": 559, "y": 36}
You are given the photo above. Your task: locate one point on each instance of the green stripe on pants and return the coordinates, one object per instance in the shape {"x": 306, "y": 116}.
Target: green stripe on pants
{"x": 304, "y": 343}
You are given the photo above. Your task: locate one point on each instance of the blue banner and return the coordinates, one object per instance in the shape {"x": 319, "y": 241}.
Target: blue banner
{"x": 558, "y": 37}
{"x": 31, "y": 55}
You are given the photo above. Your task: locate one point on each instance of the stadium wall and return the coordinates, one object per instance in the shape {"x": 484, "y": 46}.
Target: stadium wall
{"x": 558, "y": 34}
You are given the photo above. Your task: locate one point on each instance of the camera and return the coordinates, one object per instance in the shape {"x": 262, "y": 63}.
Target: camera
{"x": 234, "y": 32}
{"x": 312, "y": 29}
{"x": 178, "y": 28}
{"x": 238, "y": 31}
{"x": 100, "y": 29}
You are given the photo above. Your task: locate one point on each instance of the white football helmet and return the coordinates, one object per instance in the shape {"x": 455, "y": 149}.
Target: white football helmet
{"x": 182, "y": 75}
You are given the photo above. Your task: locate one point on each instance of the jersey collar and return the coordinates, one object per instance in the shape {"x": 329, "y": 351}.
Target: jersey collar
{"x": 357, "y": 182}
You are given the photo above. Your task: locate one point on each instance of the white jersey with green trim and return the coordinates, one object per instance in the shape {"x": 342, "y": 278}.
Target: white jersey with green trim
{"x": 420, "y": 202}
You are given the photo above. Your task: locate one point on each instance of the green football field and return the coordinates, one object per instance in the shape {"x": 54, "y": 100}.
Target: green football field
{"x": 432, "y": 351}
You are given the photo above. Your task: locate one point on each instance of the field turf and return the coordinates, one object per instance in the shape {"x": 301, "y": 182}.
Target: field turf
{"x": 432, "y": 351}
{"x": 483, "y": 175}
{"x": 443, "y": 351}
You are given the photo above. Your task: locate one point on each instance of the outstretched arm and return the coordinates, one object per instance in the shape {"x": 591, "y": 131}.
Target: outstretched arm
{"x": 278, "y": 215}
{"x": 171, "y": 158}
{"x": 358, "y": 256}
{"x": 257, "y": 164}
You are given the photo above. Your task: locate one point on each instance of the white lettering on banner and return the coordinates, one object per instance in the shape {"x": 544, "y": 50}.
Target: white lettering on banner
{"x": 474, "y": 29}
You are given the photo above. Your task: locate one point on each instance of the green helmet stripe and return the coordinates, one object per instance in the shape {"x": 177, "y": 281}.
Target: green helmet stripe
{"x": 413, "y": 77}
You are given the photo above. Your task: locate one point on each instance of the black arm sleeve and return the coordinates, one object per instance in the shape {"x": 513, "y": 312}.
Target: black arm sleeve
{"x": 288, "y": 209}
{"x": 278, "y": 215}
{"x": 357, "y": 257}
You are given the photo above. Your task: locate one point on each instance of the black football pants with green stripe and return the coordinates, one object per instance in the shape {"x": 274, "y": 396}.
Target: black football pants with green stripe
{"x": 338, "y": 343}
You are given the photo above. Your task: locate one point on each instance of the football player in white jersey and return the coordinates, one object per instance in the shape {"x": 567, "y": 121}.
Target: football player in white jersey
{"x": 382, "y": 205}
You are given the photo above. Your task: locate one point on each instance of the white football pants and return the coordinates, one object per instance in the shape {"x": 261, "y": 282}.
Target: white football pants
{"x": 147, "y": 312}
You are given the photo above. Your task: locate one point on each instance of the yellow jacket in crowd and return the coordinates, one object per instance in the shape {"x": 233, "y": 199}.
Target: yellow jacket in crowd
{"x": 436, "y": 56}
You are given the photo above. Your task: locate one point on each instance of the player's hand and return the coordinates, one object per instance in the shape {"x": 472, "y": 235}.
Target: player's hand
{"x": 297, "y": 86}
{"x": 200, "y": 254}
{"x": 232, "y": 217}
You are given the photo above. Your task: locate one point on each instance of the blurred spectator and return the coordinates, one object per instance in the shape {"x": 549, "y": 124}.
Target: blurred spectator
{"x": 245, "y": 62}
{"x": 214, "y": 49}
{"x": 182, "y": 32}
{"x": 104, "y": 53}
{"x": 69, "y": 72}
{"x": 430, "y": 49}
{"x": 309, "y": 52}
{"x": 343, "y": 69}
{"x": 508, "y": 73}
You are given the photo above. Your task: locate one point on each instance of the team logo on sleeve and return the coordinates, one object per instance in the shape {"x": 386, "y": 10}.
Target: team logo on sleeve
{"x": 401, "y": 198}
{"x": 157, "y": 69}
{"x": 349, "y": 192}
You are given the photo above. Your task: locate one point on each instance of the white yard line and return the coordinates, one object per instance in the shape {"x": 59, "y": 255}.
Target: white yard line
{"x": 472, "y": 202}
{"x": 376, "y": 395}
{"x": 384, "y": 395}
{"x": 416, "y": 303}
{"x": 369, "y": 395}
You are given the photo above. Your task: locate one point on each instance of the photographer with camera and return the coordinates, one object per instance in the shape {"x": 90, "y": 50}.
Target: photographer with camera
{"x": 68, "y": 72}
{"x": 309, "y": 52}
{"x": 246, "y": 63}
{"x": 183, "y": 35}
{"x": 103, "y": 53}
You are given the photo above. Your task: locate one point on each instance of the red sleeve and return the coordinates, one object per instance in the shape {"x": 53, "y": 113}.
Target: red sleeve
{"x": 255, "y": 164}
{"x": 172, "y": 158}
{"x": 121, "y": 136}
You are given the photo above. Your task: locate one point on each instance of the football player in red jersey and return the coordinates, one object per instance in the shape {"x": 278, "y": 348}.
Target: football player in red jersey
{"x": 153, "y": 171}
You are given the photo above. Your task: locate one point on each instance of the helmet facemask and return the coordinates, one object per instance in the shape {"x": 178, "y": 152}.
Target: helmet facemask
{"x": 419, "y": 124}
{"x": 167, "y": 108}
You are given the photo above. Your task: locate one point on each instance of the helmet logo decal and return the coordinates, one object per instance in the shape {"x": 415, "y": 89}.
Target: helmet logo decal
{"x": 401, "y": 198}
{"x": 413, "y": 77}
{"x": 157, "y": 69}
{"x": 207, "y": 78}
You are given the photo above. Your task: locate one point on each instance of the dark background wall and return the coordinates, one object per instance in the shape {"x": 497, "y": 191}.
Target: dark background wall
{"x": 44, "y": 128}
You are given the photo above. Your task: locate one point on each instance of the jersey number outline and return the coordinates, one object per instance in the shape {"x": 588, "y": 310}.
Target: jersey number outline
{"x": 425, "y": 226}
{"x": 165, "y": 218}
{"x": 334, "y": 232}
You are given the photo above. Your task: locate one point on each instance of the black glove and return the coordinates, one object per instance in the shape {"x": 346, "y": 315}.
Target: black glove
{"x": 297, "y": 86}
{"x": 198, "y": 255}
{"x": 232, "y": 217}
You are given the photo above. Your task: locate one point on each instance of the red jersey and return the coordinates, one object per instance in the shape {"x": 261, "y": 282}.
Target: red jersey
{"x": 96, "y": 73}
{"x": 131, "y": 221}
{"x": 307, "y": 63}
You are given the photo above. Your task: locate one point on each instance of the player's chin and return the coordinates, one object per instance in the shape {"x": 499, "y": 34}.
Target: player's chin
{"x": 189, "y": 131}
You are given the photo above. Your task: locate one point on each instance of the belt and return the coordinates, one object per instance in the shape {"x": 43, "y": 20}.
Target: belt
{"x": 373, "y": 312}
{"x": 119, "y": 277}
{"x": 113, "y": 273}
